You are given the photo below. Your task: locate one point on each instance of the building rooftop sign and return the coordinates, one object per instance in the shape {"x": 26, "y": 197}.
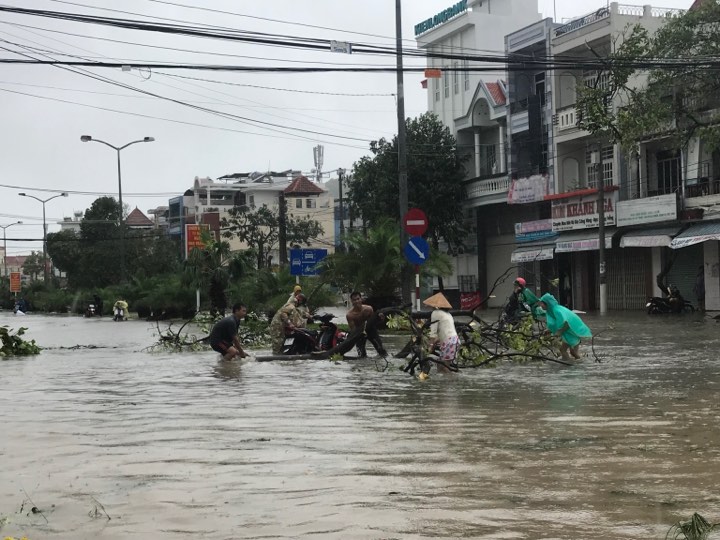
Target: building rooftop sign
{"x": 441, "y": 18}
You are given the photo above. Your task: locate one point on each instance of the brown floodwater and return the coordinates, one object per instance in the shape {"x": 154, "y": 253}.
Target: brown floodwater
{"x": 184, "y": 446}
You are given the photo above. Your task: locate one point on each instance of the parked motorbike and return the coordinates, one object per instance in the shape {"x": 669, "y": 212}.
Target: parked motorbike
{"x": 305, "y": 341}
{"x": 673, "y": 303}
{"x": 90, "y": 311}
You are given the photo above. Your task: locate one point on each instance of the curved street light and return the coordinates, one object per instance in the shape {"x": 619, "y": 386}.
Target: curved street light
{"x": 4, "y": 227}
{"x": 43, "y": 201}
{"x": 118, "y": 149}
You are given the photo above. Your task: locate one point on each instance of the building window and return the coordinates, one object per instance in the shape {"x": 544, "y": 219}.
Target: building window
{"x": 606, "y": 166}
{"x": 597, "y": 79}
{"x": 310, "y": 203}
{"x": 540, "y": 87}
{"x": 251, "y": 201}
{"x": 467, "y": 284}
{"x": 668, "y": 171}
{"x": 298, "y": 203}
{"x": 446, "y": 83}
{"x": 436, "y": 86}
{"x": 466, "y": 75}
{"x": 456, "y": 77}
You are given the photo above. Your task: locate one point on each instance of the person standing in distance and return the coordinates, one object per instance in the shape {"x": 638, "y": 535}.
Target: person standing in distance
{"x": 224, "y": 335}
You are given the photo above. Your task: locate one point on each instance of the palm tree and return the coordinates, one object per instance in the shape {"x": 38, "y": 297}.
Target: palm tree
{"x": 206, "y": 268}
{"x": 374, "y": 263}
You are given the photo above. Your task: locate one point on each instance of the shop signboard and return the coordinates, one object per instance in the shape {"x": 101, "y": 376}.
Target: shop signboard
{"x": 541, "y": 253}
{"x": 530, "y": 231}
{"x": 581, "y": 212}
{"x": 442, "y": 17}
{"x": 647, "y": 210}
{"x": 586, "y": 244}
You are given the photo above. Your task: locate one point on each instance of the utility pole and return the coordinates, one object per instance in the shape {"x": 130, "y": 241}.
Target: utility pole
{"x": 282, "y": 233}
{"x": 341, "y": 177}
{"x": 601, "y": 232}
{"x": 402, "y": 140}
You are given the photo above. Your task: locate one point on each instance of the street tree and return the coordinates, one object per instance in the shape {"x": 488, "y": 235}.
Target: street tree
{"x": 64, "y": 250}
{"x": 374, "y": 263}
{"x": 260, "y": 228}
{"x": 33, "y": 265}
{"x": 677, "y": 98}
{"x": 435, "y": 175}
{"x": 90, "y": 258}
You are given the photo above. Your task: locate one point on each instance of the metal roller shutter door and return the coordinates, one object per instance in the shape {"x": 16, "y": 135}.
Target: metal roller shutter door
{"x": 627, "y": 271}
{"x": 684, "y": 270}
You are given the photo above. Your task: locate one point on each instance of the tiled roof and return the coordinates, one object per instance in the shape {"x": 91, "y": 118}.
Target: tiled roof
{"x": 302, "y": 186}
{"x": 16, "y": 260}
{"x": 137, "y": 219}
{"x": 496, "y": 92}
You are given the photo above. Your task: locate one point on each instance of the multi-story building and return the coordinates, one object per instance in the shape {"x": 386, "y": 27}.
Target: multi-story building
{"x": 208, "y": 202}
{"x": 652, "y": 195}
{"x": 473, "y": 106}
{"x": 530, "y": 138}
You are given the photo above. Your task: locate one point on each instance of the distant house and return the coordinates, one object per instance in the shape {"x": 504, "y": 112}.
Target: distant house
{"x": 209, "y": 201}
{"x": 15, "y": 263}
{"x": 137, "y": 220}
{"x": 72, "y": 223}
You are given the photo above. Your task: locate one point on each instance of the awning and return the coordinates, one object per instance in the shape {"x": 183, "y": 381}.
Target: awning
{"x": 660, "y": 237}
{"x": 699, "y": 232}
{"x": 583, "y": 241}
{"x": 535, "y": 252}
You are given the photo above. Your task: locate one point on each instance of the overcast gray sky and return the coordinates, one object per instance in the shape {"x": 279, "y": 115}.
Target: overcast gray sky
{"x": 45, "y": 109}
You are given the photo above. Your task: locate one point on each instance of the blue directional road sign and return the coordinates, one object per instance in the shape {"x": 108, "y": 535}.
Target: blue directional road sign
{"x": 417, "y": 250}
{"x": 303, "y": 262}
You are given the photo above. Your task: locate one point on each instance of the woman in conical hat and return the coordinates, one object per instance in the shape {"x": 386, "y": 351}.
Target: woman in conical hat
{"x": 442, "y": 331}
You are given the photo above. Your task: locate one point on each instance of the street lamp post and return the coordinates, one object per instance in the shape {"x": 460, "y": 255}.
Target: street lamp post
{"x": 118, "y": 149}
{"x": 43, "y": 201}
{"x": 4, "y": 227}
{"x": 341, "y": 177}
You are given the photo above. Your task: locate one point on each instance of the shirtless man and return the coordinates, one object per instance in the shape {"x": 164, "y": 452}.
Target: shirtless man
{"x": 224, "y": 335}
{"x": 362, "y": 317}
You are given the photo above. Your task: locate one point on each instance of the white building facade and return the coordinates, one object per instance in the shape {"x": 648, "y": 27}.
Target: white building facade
{"x": 473, "y": 106}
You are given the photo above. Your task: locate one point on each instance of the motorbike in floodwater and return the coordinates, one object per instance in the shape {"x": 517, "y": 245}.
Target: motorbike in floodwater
{"x": 91, "y": 311}
{"x": 306, "y": 341}
{"x": 672, "y": 303}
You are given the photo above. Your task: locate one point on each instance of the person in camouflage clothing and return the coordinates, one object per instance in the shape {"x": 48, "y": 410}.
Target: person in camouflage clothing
{"x": 293, "y": 314}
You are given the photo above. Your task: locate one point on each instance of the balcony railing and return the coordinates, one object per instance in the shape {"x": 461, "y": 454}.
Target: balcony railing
{"x": 497, "y": 185}
{"x": 567, "y": 118}
{"x": 602, "y": 13}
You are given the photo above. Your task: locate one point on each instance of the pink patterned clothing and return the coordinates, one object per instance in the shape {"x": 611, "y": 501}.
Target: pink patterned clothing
{"x": 442, "y": 327}
{"x": 449, "y": 349}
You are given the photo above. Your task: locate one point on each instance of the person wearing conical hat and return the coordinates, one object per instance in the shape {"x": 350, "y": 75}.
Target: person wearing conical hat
{"x": 443, "y": 335}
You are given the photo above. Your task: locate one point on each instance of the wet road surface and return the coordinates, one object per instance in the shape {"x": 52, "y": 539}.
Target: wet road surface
{"x": 184, "y": 446}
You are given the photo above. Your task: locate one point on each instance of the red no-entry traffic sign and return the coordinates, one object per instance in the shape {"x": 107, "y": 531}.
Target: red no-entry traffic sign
{"x": 415, "y": 222}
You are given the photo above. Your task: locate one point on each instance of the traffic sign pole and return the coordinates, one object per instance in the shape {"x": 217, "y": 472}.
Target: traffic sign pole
{"x": 417, "y": 287}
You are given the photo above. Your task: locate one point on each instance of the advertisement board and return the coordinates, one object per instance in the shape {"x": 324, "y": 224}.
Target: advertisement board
{"x": 15, "y": 282}
{"x": 530, "y": 231}
{"x": 193, "y": 237}
{"x": 647, "y": 210}
{"x": 528, "y": 190}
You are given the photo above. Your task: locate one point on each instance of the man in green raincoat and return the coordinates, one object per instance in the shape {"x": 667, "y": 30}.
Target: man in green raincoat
{"x": 564, "y": 324}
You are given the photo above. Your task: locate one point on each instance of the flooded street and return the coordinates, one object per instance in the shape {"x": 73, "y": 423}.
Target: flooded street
{"x": 184, "y": 446}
